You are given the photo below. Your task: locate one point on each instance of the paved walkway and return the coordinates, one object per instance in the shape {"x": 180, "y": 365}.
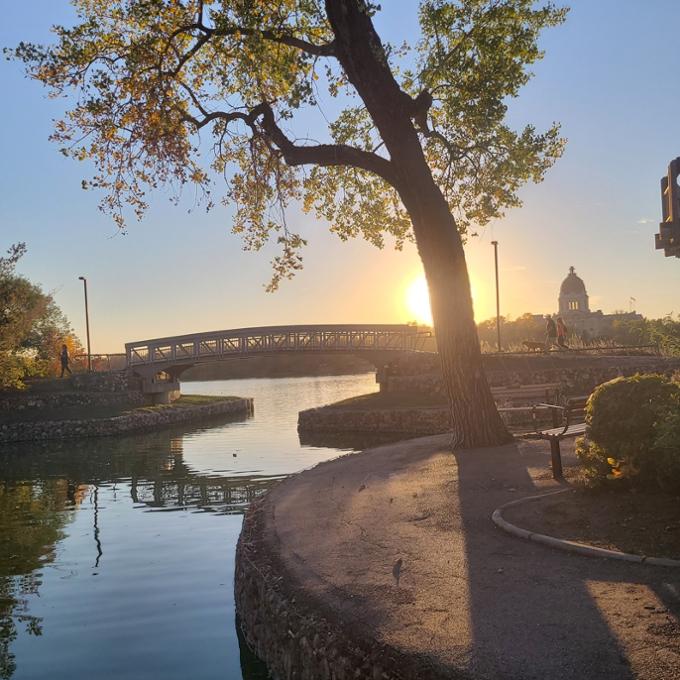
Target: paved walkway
{"x": 471, "y": 599}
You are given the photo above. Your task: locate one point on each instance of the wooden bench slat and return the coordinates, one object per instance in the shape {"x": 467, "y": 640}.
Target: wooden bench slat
{"x": 521, "y": 389}
{"x": 533, "y": 389}
{"x": 528, "y": 407}
{"x": 572, "y": 430}
{"x": 525, "y": 386}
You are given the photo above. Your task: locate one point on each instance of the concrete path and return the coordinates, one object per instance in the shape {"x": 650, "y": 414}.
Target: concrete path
{"x": 471, "y": 600}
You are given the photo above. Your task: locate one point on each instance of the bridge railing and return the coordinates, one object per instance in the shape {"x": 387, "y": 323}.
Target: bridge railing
{"x": 100, "y": 362}
{"x": 273, "y": 339}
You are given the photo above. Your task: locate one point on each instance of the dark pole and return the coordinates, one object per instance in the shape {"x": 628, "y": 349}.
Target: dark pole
{"x": 87, "y": 325}
{"x": 498, "y": 297}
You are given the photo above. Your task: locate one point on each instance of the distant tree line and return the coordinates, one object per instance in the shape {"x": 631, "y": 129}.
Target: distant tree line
{"x": 32, "y": 327}
{"x": 513, "y": 332}
{"x": 664, "y": 332}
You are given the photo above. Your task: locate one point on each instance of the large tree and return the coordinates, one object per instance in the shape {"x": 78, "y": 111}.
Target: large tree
{"x": 419, "y": 150}
{"x": 32, "y": 327}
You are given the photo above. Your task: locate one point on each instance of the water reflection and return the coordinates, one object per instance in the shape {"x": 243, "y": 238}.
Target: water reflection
{"x": 348, "y": 441}
{"x": 110, "y": 562}
{"x": 41, "y": 492}
{"x": 32, "y": 518}
{"x": 155, "y": 474}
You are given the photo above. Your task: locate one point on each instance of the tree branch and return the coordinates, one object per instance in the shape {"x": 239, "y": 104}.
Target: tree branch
{"x": 326, "y": 154}
{"x": 323, "y": 50}
{"x": 293, "y": 154}
{"x": 248, "y": 118}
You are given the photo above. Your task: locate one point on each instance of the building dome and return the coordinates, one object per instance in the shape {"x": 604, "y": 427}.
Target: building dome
{"x": 573, "y": 284}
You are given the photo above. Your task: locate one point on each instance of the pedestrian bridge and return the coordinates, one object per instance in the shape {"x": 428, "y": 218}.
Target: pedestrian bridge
{"x": 377, "y": 342}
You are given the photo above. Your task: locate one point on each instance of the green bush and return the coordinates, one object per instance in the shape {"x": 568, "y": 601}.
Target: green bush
{"x": 593, "y": 461}
{"x": 667, "y": 452}
{"x": 624, "y": 418}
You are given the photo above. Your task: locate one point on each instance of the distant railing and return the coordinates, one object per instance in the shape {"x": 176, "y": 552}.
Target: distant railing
{"x": 619, "y": 350}
{"x": 197, "y": 347}
{"x": 100, "y": 362}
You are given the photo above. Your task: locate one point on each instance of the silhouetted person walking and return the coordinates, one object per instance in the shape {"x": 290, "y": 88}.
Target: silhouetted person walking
{"x": 550, "y": 333}
{"x": 65, "y": 359}
{"x": 561, "y": 333}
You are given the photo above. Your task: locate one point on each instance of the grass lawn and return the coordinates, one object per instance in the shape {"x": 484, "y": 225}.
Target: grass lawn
{"x": 91, "y": 412}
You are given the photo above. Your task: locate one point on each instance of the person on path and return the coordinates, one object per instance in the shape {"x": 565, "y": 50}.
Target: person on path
{"x": 550, "y": 333}
{"x": 562, "y": 333}
{"x": 65, "y": 359}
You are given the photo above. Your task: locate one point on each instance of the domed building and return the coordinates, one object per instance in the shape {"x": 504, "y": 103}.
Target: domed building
{"x": 574, "y": 308}
{"x": 573, "y": 297}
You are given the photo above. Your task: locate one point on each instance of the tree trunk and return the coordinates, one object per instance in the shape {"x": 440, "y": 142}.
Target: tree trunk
{"x": 474, "y": 417}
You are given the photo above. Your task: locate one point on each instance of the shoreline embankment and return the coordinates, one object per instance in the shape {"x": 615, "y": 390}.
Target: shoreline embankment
{"x": 386, "y": 564}
{"x": 137, "y": 419}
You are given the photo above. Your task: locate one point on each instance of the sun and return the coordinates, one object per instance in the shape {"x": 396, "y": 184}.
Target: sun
{"x": 417, "y": 298}
{"x": 418, "y": 301}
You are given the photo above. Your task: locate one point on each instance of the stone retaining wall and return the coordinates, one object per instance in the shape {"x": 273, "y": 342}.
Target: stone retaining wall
{"x": 81, "y": 389}
{"x": 577, "y": 374}
{"x": 295, "y": 635}
{"x": 407, "y": 421}
{"x": 130, "y": 422}
{"x": 30, "y": 400}
{"x": 110, "y": 381}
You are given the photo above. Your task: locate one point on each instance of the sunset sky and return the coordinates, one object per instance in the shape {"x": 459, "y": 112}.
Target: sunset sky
{"x": 609, "y": 76}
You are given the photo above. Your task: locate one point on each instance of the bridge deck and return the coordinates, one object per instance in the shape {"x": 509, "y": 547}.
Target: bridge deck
{"x": 215, "y": 345}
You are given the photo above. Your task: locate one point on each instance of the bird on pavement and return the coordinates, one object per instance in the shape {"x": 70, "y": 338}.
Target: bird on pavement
{"x": 396, "y": 570}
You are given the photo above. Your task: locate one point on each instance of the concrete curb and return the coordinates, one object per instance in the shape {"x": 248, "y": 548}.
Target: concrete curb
{"x": 571, "y": 546}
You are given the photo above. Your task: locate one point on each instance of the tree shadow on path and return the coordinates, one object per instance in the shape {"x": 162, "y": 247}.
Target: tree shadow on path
{"x": 537, "y": 612}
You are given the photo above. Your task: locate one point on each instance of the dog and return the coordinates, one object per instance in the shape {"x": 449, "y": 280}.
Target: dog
{"x": 533, "y": 346}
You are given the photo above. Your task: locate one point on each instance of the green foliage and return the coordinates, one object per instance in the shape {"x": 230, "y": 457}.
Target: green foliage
{"x": 664, "y": 332}
{"x": 625, "y": 417}
{"x": 513, "y": 332}
{"x": 21, "y": 305}
{"x": 32, "y": 327}
{"x": 153, "y": 74}
{"x": 667, "y": 451}
{"x": 593, "y": 458}
{"x": 473, "y": 58}
{"x": 32, "y": 518}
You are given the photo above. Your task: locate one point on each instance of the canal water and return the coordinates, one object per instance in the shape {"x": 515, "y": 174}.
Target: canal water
{"x": 117, "y": 554}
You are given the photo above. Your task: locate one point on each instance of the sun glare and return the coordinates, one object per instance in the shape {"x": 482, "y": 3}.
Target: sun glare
{"x": 418, "y": 301}
{"x": 417, "y": 298}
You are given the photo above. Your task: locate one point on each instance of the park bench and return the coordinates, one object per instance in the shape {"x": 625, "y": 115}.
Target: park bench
{"x": 523, "y": 398}
{"x": 525, "y": 393}
{"x": 573, "y": 425}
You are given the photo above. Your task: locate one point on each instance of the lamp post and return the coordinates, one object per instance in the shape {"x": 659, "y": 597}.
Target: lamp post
{"x": 498, "y": 298}
{"x": 87, "y": 325}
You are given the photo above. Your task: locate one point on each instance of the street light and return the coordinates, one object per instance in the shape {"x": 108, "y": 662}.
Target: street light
{"x": 498, "y": 298}
{"x": 87, "y": 325}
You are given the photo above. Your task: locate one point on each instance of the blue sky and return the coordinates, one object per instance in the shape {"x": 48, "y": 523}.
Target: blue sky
{"x": 609, "y": 76}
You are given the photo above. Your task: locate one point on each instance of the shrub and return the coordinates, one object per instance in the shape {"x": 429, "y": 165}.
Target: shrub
{"x": 593, "y": 461}
{"x": 623, "y": 418}
{"x": 667, "y": 452}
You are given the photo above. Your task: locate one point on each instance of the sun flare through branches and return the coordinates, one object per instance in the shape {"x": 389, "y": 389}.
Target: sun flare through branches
{"x": 418, "y": 301}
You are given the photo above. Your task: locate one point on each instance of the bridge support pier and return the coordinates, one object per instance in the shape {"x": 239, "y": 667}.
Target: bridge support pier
{"x": 161, "y": 391}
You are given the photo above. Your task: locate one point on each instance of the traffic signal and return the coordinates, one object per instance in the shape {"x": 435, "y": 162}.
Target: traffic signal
{"x": 668, "y": 237}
